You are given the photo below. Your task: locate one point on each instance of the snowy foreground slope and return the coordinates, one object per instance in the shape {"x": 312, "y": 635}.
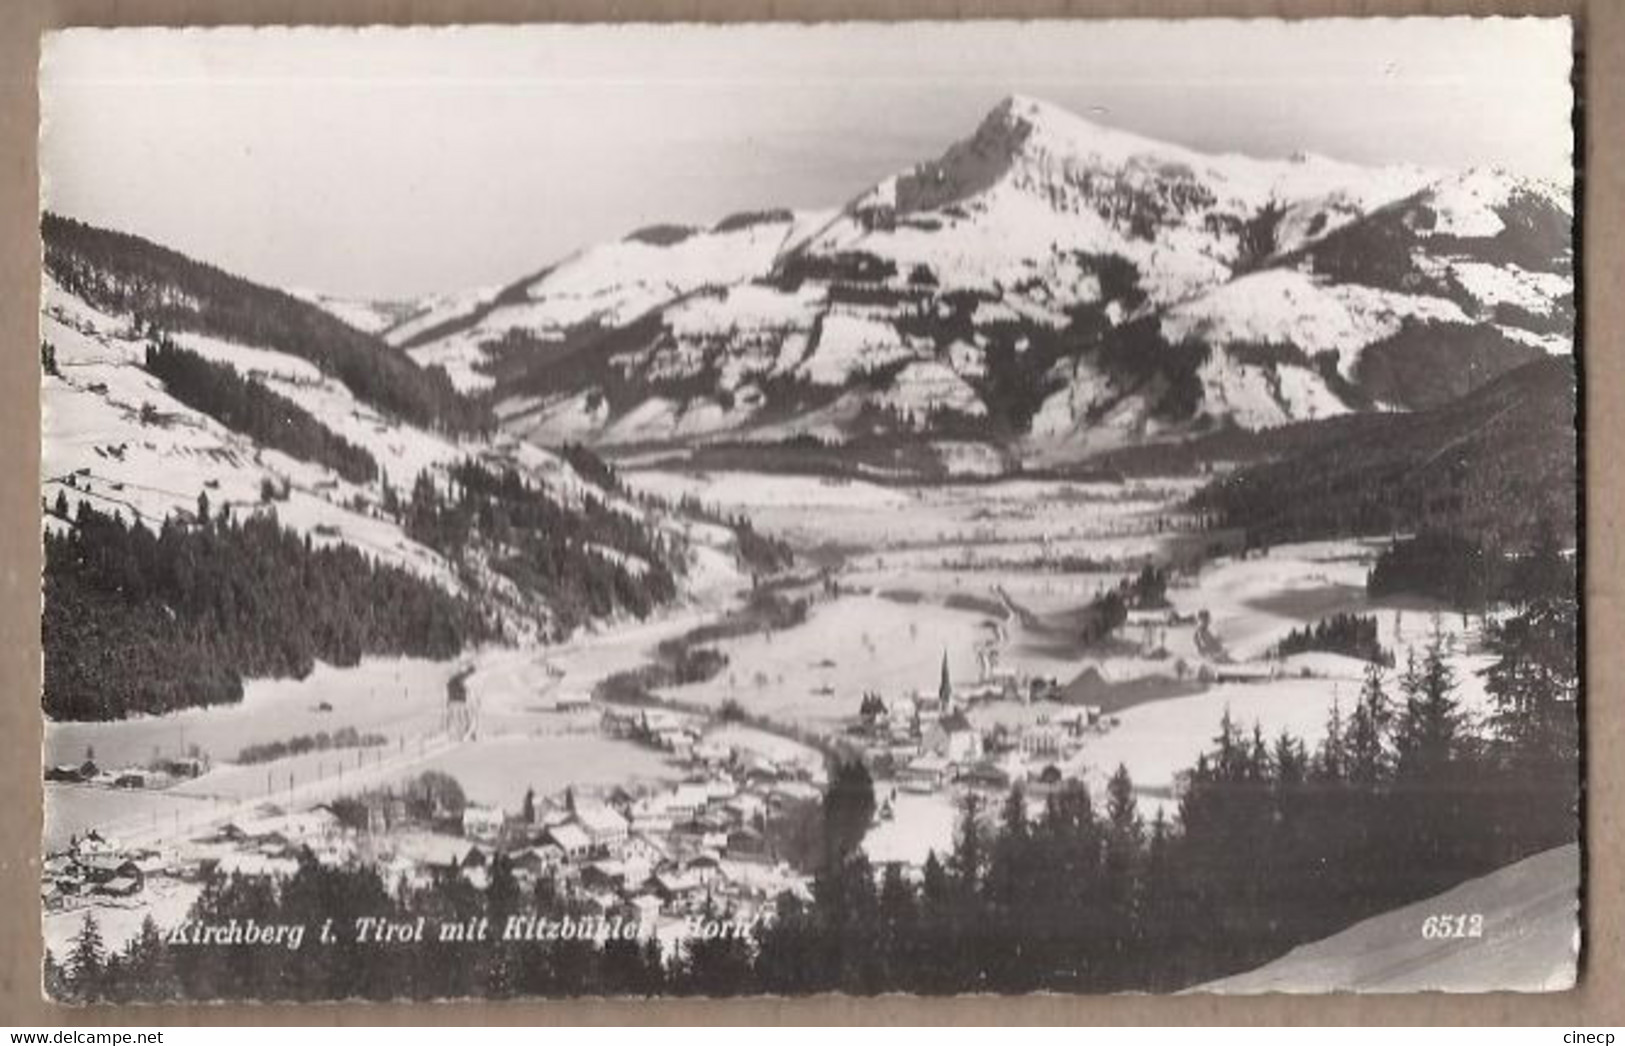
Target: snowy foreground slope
{"x": 1047, "y": 281}
{"x": 1530, "y": 941}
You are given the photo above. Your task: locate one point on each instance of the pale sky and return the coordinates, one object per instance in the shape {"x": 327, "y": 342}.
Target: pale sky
{"x": 389, "y": 163}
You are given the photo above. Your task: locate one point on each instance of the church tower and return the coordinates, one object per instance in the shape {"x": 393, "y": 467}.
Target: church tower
{"x": 945, "y": 689}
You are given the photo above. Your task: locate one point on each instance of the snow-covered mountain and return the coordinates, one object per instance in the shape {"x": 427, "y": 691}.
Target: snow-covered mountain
{"x": 369, "y": 429}
{"x": 397, "y": 320}
{"x": 371, "y": 316}
{"x": 1047, "y": 283}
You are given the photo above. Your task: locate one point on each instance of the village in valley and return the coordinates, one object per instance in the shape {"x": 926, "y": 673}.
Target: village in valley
{"x": 734, "y": 766}
{"x": 1072, "y": 561}
{"x": 653, "y": 856}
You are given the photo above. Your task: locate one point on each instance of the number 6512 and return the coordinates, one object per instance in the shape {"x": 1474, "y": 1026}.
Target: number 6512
{"x": 1437, "y": 926}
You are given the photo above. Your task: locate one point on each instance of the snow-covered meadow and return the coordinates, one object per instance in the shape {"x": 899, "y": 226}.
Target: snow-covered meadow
{"x": 933, "y": 570}
{"x": 814, "y": 675}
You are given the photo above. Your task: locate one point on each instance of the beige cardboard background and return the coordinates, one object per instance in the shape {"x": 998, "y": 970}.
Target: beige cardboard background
{"x": 1600, "y": 999}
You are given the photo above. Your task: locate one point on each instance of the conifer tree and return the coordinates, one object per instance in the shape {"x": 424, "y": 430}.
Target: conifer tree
{"x": 1534, "y": 683}
{"x": 1331, "y": 758}
{"x": 1427, "y": 734}
{"x": 849, "y": 807}
{"x": 899, "y": 928}
{"x": 1120, "y": 873}
{"x": 147, "y": 964}
{"x": 1368, "y": 730}
{"x": 86, "y": 961}
{"x": 968, "y": 860}
{"x": 55, "y": 980}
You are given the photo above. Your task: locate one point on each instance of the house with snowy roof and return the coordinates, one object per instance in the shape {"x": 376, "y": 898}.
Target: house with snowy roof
{"x": 104, "y": 868}
{"x": 571, "y": 839}
{"x": 537, "y": 860}
{"x": 706, "y": 868}
{"x": 926, "y": 773}
{"x": 953, "y": 738}
{"x": 677, "y": 888}
{"x": 603, "y": 825}
{"x": 482, "y": 822}
{"x": 686, "y": 801}
{"x": 640, "y": 847}
{"x": 644, "y": 908}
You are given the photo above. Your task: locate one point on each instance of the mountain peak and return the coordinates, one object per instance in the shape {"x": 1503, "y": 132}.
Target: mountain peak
{"x": 1030, "y": 109}
{"x": 1020, "y": 129}
{"x": 1059, "y": 132}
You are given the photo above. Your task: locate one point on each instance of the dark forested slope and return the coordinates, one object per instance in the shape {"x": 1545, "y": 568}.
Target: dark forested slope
{"x": 247, "y": 406}
{"x": 1494, "y": 464}
{"x": 125, "y": 274}
{"x": 144, "y": 621}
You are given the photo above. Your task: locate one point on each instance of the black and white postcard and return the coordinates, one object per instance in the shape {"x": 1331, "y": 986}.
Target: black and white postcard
{"x": 982, "y": 507}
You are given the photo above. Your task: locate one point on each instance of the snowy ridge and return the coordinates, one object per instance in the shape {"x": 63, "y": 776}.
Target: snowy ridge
{"x": 1470, "y": 204}
{"x": 399, "y": 320}
{"x": 93, "y": 431}
{"x": 437, "y": 310}
{"x": 372, "y": 317}
{"x": 1292, "y": 308}
{"x": 1060, "y": 283}
{"x": 113, "y": 437}
{"x": 609, "y": 285}
{"x": 1174, "y": 212}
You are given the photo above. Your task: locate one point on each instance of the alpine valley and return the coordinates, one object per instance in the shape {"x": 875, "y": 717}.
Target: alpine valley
{"x": 1048, "y": 540}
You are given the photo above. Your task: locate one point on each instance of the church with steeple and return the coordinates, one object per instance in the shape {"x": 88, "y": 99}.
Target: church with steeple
{"x": 949, "y": 733}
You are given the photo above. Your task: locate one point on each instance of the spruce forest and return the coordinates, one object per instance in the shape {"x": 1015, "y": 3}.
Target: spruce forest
{"x": 144, "y": 621}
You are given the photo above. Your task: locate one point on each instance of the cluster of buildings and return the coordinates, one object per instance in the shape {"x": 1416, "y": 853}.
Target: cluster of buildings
{"x": 701, "y": 845}
{"x": 927, "y": 741}
{"x": 90, "y": 868}
{"x": 671, "y": 733}
{"x": 161, "y": 774}
{"x": 95, "y": 870}
{"x": 657, "y": 853}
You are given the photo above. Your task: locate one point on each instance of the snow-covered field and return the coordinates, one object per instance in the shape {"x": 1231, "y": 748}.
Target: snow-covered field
{"x": 1255, "y": 601}
{"x": 888, "y": 632}
{"x": 920, "y": 825}
{"x": 758, "y": 491}
{"x": 815, "y": 675}
{"x": 1025, "y": 516}
{"x": 498, "y": 770}
{"x": 385, "y": 695}
{"x": 1158, "y": 740}
{"x": 75, "y": 809}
